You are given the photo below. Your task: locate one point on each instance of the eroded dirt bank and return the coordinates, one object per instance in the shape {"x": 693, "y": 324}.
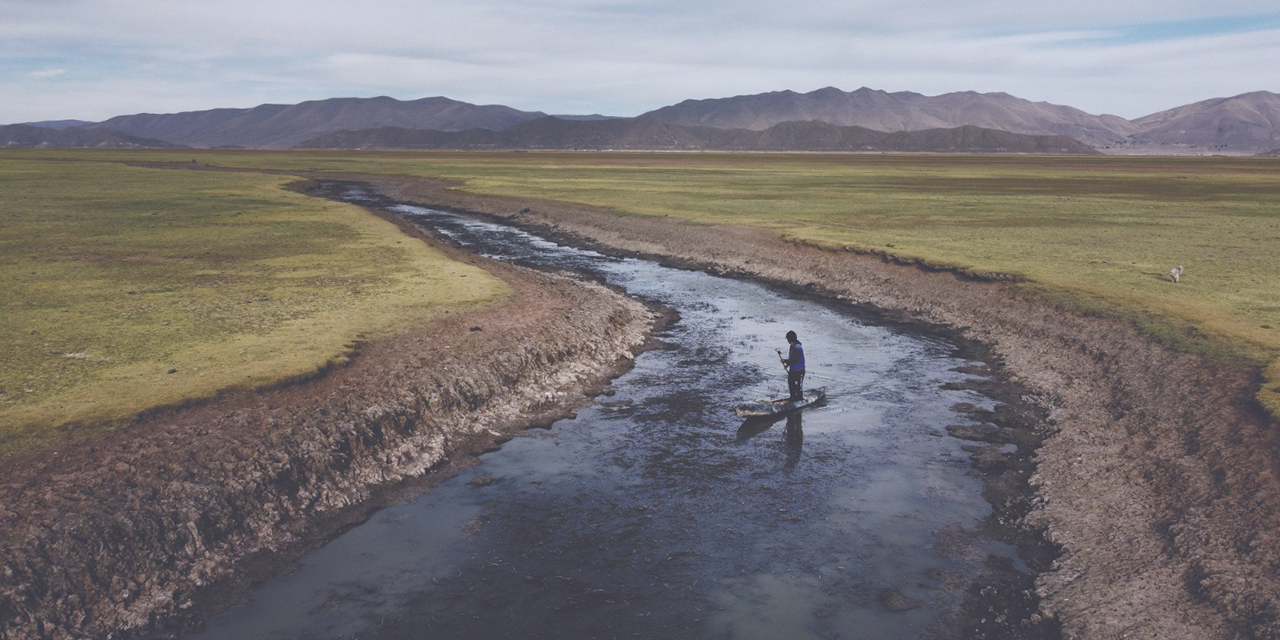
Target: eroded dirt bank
{"x": 132, "y": 532}
{"x": 1160, "y": 478}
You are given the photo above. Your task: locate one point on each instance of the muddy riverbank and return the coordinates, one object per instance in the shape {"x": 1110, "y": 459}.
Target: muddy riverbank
{"x": 138, "y": 531}
{"x": 657, "y": 511}
{"x": 1159, "y": 481}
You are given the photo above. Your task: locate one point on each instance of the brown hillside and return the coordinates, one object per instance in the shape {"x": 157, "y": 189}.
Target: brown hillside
{"x": 653, "y": 134}
{"x": 902, "y": 111}
{"x": 1246, "y": 121}
{"x": 21, "y": 135}
{"x": 283, "y": 126}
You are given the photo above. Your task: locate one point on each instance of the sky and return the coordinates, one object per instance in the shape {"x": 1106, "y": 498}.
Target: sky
{"x": 94, "y": 59}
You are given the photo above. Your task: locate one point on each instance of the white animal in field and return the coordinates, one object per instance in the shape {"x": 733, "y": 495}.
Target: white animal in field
{"x": 1176, "y": 273}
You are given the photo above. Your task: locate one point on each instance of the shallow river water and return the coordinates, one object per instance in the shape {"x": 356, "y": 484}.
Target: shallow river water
{"x": 657, "y": 513}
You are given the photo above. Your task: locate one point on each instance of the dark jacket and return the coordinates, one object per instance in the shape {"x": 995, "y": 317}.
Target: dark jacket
{"x": 795, "y": 358}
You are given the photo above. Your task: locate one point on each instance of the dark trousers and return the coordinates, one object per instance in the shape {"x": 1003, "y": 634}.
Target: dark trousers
{"x": 795, "y": 383}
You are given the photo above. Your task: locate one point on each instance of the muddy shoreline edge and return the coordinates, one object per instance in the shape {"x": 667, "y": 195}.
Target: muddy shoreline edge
{"x": 171, "y": 518}
{"x": 1159, "y": 479}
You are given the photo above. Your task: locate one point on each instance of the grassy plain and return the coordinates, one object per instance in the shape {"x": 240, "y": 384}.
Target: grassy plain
{"x": 127, "y": 289}
{"x": 1098, "y": 233}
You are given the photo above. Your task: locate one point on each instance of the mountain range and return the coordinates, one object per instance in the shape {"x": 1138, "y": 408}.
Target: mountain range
{"x": 902, "y": 111}
{"x": 282, "y": 126}
{"x": 650, "y": 133}
{"x": 826, "y": 119}
{"x": 1251, "y": 120}
{"x": 22, "y": 135}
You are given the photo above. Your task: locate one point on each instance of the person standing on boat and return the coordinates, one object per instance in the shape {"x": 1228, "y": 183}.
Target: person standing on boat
{"x": 794, "y": 363}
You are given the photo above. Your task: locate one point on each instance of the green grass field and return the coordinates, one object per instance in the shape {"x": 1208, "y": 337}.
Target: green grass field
{"x": 128, "y": 289}
{"x": 1092, "y": 233}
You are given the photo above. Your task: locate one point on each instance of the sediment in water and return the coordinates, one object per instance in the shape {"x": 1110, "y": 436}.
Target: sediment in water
{"x": 141, "y": 529}
{"x": 1158, "y": 479}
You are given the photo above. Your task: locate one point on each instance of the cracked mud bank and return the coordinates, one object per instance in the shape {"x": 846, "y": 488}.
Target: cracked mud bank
{"x": 1159, "y": 480}
{"x": 131, "y": 533}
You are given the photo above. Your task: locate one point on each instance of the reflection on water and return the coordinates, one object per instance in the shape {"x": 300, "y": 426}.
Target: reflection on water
{"x": 792, "y": 435}
{"x": 656, "y": 512}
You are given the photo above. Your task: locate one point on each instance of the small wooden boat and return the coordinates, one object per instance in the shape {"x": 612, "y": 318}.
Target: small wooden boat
{"x": 768, "y": 408}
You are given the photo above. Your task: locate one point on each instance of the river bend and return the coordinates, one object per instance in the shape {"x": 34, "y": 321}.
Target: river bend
{"x": 656, "y": 513}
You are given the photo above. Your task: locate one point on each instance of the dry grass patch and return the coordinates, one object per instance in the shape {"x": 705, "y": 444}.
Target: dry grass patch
{"x": 1094, "y": 233}
{"x": 129, "y": 289}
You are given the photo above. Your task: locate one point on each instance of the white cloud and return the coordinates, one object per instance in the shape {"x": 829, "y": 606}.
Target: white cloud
{"x": 48, "y": 74}
{"x": 619, "y": 56}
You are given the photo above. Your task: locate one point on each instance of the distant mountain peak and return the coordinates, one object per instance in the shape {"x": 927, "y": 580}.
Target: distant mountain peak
{"x": 283, "y": 126}
{"x": 901, "y": 111}
{"x": 1246, "y": 123}
{"x": 22, "y": 135}
{"x": 58, "y": 124}
{"x": 648, "y": 133}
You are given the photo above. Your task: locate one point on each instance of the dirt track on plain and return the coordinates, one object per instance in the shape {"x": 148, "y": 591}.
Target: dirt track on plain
{"x": 1160, "y": 479}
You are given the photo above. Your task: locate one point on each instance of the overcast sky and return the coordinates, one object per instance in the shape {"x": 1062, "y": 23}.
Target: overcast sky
{"x": 93, "y": 59}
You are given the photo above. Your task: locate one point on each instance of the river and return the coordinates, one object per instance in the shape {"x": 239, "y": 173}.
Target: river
{"x": 655, "y": 512}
